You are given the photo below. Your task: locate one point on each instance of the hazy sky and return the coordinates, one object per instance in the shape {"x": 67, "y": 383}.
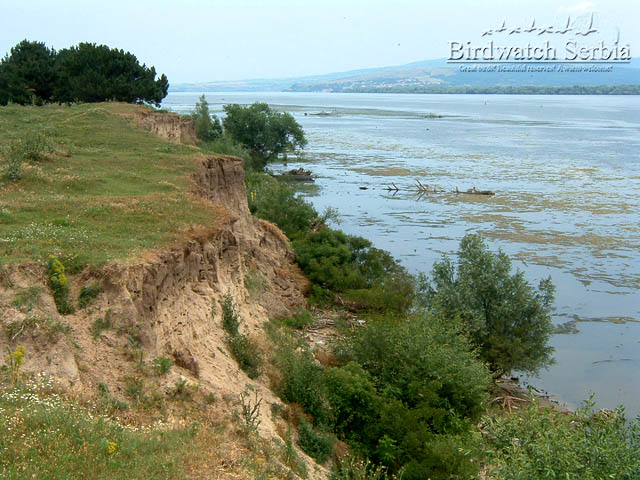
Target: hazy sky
{"x": 199, "y": 40}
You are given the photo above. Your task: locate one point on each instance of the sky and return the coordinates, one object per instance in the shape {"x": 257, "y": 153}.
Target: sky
{"x": 200, "y": 40}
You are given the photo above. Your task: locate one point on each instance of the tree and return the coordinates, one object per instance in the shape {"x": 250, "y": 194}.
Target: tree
{"x": 208, "y": 127}
{"x": 95, "y": 73}
{"x": 506, "y": 317}
{"x": 27, "y": 74}
{"x": 264, "y": 131}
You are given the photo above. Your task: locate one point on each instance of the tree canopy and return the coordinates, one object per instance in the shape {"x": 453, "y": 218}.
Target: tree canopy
{"x": 266, "y": 132}
{"x": 33, "y": 73}
{"x": 507, "y": 318}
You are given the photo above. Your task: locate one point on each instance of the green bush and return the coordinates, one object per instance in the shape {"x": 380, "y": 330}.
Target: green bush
{"x": 298, "y": 320}
{"x": 352, "y": 468}
{"x": 230, "y": 321}
{"x": 265, "y": 132}
{"x": 161, "y": 365}
{"x": 246, "y": 354}
{"x": 13, "y": 158}
{"x": 208, "y": 126}
{"x": 538, "y": 443}
{"x": 507, "y": 318}
{"x": 303, "y": 382}
{"x": 225, "y": 145}
{"x": 59, "y": 285}
{"x": 317, "y": 445}
{"x": 430, "y": 389}
{"x": 337, "y": 262}
{"x": 278, "y": 203}
{"x": 354, "y": 401}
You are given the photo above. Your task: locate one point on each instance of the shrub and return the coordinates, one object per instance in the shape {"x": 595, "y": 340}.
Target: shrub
{"x": 539, "y": 443}
{"x": 208, "y": 126}
{"x": 230, "y": 322}
{"x": 59, "y": 285}
{"x": 303, "y": 382}
{"x": 35, "y": 145}
{"x": 353, "y": 399}
{"x": 88, "y": 294}
{"x": 352, "y": 468}
{"x": 255, "y": 283}
{"x": 318, "y": 446}
{"x": 249, "y": 414}
{"x": 506, "y": 317}
{"x": 277, "y": 202}
{"x": 298, "y": 320}
{"x": 225, "y": 145}
{"x": 246, "y": 354}
{"x": 337, "y": 262}
{"x": 265, "y": 132}
{"x": 430, "y": 388}
{"x": 13, "y": 156}
{"x": 161, "y": 365}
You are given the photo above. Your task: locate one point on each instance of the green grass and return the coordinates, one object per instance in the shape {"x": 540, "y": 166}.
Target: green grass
{"x": 45, "y": 437}
{"x": 108, "y": 191}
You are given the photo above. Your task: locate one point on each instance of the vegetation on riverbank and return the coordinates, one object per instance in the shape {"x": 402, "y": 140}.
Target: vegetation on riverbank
{"x": 403, "y": 391}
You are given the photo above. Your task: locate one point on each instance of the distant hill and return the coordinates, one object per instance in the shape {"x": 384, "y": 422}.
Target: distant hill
{"x": 419, "y": 76}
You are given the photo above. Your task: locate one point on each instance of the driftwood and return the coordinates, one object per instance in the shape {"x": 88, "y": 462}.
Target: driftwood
{"x": 422, "y": 189}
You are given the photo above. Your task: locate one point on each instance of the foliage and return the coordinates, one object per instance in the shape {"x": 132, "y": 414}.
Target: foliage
{"x": 230, "y": 321}
{"x": 303, "y": 382}
{"x": 317, "y": 445}
{"x": 352, "y": 468}
{"x": 277, "y": 202}
{"x": 265, "y": 132}
{"x": 161, "y": 365}
{"x": 249, "y": 415}
{"x": 225, "y": 145}
{"x": 243, "y": 350}
{"x": 208, "y": 126}
{"x": 506, "y": 317}
{"x": 13, "y": 156}
{"x": 59, "y": 285}
{"x": 14, "y": 360}
{"x": 27, "y": 74}
{"x": 246, "y": 353}
{"x": 353, "y": 399}
{"x": 88, "y": 294}
{"x": 337, "y": 262}
{"x": 410, "y": 399}
{"x": 538, "y": 443}
{"x": 298, "y": 320}
{"x": 33, "y": 73}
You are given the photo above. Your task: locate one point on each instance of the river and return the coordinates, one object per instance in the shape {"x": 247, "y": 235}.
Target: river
{"x": 566, "y": 172}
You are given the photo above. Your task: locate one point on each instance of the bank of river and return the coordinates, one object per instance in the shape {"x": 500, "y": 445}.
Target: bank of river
{"x": 567, "y": 175}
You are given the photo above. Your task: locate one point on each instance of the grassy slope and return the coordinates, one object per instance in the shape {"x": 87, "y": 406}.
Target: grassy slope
{"x": 45, "y": 436}
{"x": 108, "y": 192}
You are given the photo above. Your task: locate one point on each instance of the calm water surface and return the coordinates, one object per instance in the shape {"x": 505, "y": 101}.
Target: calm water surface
{"x": 566, "y": 171}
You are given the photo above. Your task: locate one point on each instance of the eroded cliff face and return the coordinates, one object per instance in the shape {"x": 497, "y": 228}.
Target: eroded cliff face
{"x": 173, "y": 127}
{"x": 170, "y": 302}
